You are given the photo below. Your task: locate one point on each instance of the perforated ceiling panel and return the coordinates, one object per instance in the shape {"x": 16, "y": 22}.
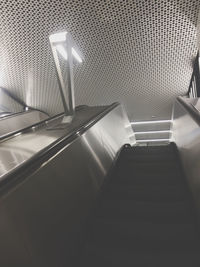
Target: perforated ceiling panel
{"x": 198, "y": 31}
{"x": 136, "y": 52}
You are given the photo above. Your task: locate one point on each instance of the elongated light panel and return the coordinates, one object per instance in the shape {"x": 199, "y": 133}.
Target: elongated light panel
{"x": 58, "y": 37}
{"x": 151, "y": 122}
{"x": 62, "y": 51}
{"x": 76, "y": 55}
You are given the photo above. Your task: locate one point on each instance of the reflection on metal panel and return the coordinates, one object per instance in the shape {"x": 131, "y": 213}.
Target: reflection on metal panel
{"x": 20, "y": 121}
{"x": 104, "y": 140}
{"x": 16, "y": 151}
{"x": 195, "y": 102}
{"x": 50, "y": 206}
{"x": 186, "y": 133}
{"x": 10, "y": 103}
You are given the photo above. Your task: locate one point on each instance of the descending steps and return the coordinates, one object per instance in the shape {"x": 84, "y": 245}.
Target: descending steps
{"x": 145, "y": 215}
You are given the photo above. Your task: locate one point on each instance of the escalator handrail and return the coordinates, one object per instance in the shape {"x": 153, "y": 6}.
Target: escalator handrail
{"x": 21, "y": 172}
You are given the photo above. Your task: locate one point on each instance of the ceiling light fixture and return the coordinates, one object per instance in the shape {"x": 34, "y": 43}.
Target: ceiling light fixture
{"x": 62, "y": 51}
{"x": 153, "y": 140}
{"x": 153, "y": 132}
{"x": 76, "y": 55}
{"x": 63, "y": 44}
{"x": 58, "y": 37}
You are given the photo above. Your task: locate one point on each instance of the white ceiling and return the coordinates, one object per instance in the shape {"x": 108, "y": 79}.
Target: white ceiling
{"x": 136, "y": 52}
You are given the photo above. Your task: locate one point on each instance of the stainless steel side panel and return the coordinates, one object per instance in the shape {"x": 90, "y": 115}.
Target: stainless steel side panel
{"x": 17, "y": 122}
{"x": 42, "y": 217}
{"x": 186, "y": 134}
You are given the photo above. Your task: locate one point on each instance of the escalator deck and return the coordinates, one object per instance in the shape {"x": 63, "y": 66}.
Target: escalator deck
{"x": 145, "y": 215}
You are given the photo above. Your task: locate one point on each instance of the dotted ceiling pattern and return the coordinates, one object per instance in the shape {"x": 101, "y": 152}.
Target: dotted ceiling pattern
{"x": 136, "y": 52}
{"x": 198, "y": 32}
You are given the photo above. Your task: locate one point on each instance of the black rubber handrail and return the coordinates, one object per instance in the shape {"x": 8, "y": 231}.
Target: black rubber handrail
{"x": 25, "y": 169}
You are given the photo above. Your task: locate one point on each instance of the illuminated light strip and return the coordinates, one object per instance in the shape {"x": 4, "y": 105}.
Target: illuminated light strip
{"x": 153, "y": 132}
{"x": 152, "y": 140}
{"x": 62, "y": 51}
{"x": 150, "y": 122}
{"x": 58, "y": 37}
{"x": 76, "y": 55}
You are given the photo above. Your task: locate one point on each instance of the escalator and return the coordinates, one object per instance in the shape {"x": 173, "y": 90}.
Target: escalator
{"x": 145, "y": 214}
{"x": 77, "y": 196}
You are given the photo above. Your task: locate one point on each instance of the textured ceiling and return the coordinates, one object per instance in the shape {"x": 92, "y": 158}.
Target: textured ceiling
{"x": 198, "y": 31}
{"x": 136, "y": 52}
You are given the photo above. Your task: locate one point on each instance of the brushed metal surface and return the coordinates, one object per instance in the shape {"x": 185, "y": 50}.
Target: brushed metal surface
{"x": 186, "y": 134}
{"x": 17, "y": 150}
{"x": 41, "y": 217}
{"x": 17, "y": 122}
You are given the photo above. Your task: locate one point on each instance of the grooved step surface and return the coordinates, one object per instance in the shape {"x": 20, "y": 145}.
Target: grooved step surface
{"x": 145, "y": 215}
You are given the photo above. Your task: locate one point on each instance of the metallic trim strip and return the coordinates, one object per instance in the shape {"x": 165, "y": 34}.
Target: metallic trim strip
{"x": 14, "y": 97}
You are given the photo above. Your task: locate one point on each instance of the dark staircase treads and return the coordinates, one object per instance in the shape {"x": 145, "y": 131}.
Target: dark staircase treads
{"x": 145, "y": 214}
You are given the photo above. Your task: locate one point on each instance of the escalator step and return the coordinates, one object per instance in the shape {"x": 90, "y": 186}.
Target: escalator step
{"x": 155, "y": 211}
{"x": 108, "y": 257}
{"x": 146, "y": 193}
{"x": 145, "y": 179}
{"x": 133, "y": 231}
{"x": 145, "y": 215}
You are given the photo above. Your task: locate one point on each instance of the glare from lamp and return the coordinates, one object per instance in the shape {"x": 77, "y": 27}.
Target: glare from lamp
{"x": 76, "y": 55}
{"x": 61, "y": 50}
{"x": 58, "y": 37}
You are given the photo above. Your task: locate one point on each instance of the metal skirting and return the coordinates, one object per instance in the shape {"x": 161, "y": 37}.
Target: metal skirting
{"x": 44, "y": 208}
{"x": 186, "y": 134}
